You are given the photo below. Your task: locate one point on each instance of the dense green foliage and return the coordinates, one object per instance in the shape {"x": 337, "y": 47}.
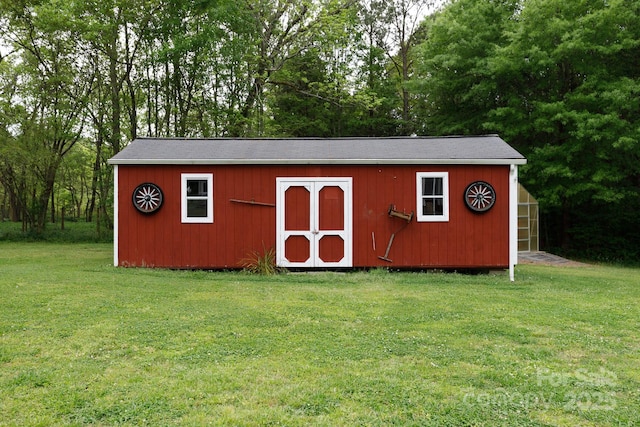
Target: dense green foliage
{"x": 84, "y": 343}
{"x": 559, "y": 80}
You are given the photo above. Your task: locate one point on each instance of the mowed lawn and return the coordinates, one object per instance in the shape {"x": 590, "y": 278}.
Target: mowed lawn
{"x": 84, "y": 343}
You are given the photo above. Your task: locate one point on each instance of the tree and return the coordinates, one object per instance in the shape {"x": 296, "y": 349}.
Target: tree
{"x": 299, "y": 105}
{"x": 113, "y": 32}
{"x": 74, "y": 181}
{"x": 280, "y": 32}
{"x": 579, "y": 107}
{"x": 53, "y": 92}
{"x": 456, "y": 83}
{"x": 181, "y": 53}
{"x": 377, "y": 88}
{"x": 560, "y": 81}
{"x": 342, "y": 86}
{"x": 402, "y": 18}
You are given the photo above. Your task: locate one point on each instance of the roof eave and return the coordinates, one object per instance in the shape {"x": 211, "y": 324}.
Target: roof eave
{"x": 520, "y": 161}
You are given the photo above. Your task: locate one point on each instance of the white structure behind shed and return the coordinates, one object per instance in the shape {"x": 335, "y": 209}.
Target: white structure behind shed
{"x": 528, "y": 220}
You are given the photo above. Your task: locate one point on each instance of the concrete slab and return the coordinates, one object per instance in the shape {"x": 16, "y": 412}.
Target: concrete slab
{"x": 542, "y": 257}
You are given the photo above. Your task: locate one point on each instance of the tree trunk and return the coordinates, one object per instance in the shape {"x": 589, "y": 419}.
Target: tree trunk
{"x": 53, "y": 206}
{"x": 565, "y": 239}
{"x": 91, "y": 205}
{"x": 114, "y": 83}
{"x": 47, "y": 193}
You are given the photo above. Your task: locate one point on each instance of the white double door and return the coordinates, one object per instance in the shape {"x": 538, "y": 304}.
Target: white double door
{"x": 314, "y": 222}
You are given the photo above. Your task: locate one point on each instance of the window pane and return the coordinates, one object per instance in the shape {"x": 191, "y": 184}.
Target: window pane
{"x": 432, "y": 206}
{"x": 196, "y": 187}
{"x": 432, "y": 196}
{"x": 197, "y": 208}
{"x": 432, "y": 187}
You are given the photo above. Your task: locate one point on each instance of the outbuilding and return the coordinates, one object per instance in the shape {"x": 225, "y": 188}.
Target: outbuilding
{"x": 403, "y": 202}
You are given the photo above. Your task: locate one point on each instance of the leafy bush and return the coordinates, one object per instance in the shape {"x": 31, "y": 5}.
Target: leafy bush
{"x": 594, "y": 232}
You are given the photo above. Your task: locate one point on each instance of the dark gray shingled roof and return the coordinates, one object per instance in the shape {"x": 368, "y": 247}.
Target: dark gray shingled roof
{"x": 489, "y": 149}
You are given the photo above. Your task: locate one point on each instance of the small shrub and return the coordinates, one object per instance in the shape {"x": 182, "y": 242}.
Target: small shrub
{"x": 261, "y": 262}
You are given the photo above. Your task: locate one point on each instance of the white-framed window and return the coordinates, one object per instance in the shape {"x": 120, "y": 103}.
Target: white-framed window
{"x": 432, "y": 196}
{"x": 197, "y": 197}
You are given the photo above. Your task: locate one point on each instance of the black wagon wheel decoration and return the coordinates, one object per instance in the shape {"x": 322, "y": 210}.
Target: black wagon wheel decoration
{"x": 480, "y": 196}
{"x": 147, "y": 198}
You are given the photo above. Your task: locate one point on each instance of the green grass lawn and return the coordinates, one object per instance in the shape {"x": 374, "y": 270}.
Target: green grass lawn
{"x": 82, "y": 343}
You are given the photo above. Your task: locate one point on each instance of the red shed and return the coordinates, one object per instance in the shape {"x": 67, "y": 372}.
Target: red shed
{"x": 410, "y": 202}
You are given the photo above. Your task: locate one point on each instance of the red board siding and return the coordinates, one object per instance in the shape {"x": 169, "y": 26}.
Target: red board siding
{"x": 467, "y": 240}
